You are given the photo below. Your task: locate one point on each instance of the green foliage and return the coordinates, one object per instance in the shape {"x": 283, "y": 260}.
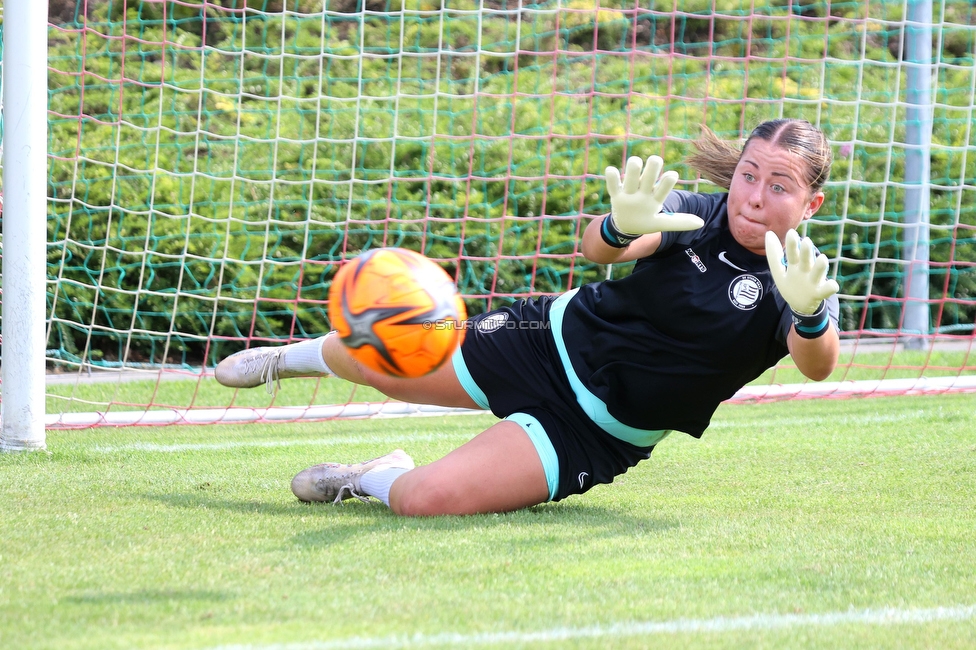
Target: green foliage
{"x": 211, "y": 163}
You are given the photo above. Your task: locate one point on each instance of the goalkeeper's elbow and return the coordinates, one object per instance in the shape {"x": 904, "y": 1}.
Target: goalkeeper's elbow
{"x": 815, "y": 358}
{"x": 818, "y": 373}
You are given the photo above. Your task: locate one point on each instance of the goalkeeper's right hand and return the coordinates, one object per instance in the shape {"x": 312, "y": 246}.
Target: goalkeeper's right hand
{"x": 802, "y": 280}
{"x": 635, "y": 207}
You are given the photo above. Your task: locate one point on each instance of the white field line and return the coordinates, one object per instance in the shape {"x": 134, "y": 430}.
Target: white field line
{"x": 717, "y": 625}
{"x": 918, "y": 386}
{"x": 237, "y": 444}
{"x": 815, "y": 420}
{"x": 793, "y": 422}
{"x": 910, "y": 386}
{"x": 237, "y": 415}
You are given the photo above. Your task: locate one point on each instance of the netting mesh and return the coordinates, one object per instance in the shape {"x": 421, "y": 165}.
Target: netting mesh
{"x": 212, "y": 162}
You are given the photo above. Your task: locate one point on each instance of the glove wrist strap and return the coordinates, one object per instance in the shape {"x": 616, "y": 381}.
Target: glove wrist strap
{"x": 811, "y": 326}
{"x": 614, "y": 237}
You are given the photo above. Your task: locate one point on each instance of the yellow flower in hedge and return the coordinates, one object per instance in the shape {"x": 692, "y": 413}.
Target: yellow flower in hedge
{"x": 584, "y": 12}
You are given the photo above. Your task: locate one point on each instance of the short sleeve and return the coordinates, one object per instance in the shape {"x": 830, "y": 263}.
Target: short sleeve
{"x": 710, "y": 207}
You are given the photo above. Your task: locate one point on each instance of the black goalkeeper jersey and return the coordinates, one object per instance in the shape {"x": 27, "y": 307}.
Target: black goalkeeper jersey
{"x": 691, "y": 325}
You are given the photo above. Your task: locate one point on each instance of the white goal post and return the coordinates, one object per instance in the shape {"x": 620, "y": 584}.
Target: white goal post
{"x": 24, "y": 224}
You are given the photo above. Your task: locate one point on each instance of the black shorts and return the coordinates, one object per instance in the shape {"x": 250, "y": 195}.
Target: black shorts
{"x": 511, "y": 357}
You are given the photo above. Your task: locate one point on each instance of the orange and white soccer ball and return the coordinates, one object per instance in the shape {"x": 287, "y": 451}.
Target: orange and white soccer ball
{"x": 397, "y": 312}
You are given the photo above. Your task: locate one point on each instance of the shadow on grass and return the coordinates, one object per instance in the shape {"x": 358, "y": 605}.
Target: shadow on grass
{"x": 352, "y": 518}
{"x": 145, "y": 597}
{"x": 196, "y": 501}
{"x": 556, "y": 520}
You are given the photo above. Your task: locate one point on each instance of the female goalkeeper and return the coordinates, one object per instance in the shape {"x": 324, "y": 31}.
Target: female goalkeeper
{"x": 587, "y": 382}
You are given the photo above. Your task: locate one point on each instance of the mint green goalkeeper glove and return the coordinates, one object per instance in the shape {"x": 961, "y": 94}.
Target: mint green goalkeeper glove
{"x": 635, "y": 207}
{"x": 802, "y": 281}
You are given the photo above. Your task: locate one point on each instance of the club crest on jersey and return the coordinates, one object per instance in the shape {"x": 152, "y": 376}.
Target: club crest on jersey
{"x": 492, "y": 323}
{"x": 745, "y": 292}
{"x": 695, "y": 259}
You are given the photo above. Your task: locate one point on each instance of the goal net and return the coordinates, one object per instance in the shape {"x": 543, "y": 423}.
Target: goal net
{"x": 212, "y": 163}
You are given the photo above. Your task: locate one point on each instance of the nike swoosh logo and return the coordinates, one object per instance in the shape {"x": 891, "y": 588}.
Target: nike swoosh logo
{"x": 726, "y": 260}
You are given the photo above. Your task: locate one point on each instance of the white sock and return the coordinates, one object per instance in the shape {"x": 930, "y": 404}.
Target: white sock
{"x": 307, "y": 356}
{"x": 378, "y": 481}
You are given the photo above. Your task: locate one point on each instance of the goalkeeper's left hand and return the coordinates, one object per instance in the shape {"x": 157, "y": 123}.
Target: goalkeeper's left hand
{"x": 635, "y": 204}
{"x": 802, "y": 281}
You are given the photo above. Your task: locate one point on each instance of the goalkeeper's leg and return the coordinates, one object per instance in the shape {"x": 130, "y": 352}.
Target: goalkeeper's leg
{"x": 498, "y": 470}
{"x": 327, "y": 356}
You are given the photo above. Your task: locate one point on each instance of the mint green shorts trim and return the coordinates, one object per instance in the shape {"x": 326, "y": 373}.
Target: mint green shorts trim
{"x": 543, "y": 446}
{"x": 467, "y": 382}
{"x": 592, "y": 405}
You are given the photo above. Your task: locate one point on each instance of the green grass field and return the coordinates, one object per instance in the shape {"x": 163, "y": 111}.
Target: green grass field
{"x": 807, "y": 524}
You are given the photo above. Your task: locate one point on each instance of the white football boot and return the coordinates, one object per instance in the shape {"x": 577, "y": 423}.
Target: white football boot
{"x": 269, "y": 365}
{"x": 335, "y": 482}
{"x": 250, "y": 368}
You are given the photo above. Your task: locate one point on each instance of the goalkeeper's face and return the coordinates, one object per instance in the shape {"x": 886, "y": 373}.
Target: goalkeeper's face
{"x": 768, "y": 192}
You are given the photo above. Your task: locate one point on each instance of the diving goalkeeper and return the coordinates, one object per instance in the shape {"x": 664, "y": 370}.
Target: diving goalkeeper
{"x": 609, "y": 369}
